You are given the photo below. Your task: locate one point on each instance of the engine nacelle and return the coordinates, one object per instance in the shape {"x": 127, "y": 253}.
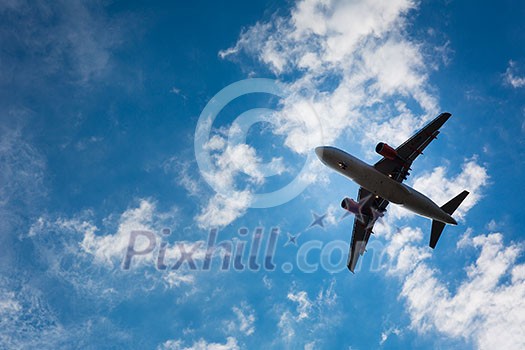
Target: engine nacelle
{"x": 350, "y": 205}
{"x": 386, "y": 151}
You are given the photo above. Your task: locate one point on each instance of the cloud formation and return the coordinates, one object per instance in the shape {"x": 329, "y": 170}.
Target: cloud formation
{"x": 350, "y": 68}
{"x": 473, "y": 178}
{"x": 231, "y": 344}
{"x": 317, "y": 314}
{"x": 67, "y": 38}
{"x": 511, "y": 76}
{"x": 487, "y": 307}
{"x": 245, "y": 319}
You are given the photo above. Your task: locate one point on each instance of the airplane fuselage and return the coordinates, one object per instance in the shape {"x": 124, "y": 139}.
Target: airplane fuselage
{"x": 382, "y": 185}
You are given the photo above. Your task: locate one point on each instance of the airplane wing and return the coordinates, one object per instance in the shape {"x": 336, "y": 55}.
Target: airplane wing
{"x": 372, "y": 208}
{"x": 399, "y": 168}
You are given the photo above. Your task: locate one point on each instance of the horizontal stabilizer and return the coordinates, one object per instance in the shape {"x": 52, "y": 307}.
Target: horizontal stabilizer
{"x": 449, "y": 208}
{"x": 437, "y": 228}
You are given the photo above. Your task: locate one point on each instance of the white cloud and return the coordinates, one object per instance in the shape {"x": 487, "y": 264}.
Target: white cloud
{"x": 176, "y": 278}
{"x": 184, "y": 175}
{"x": 73, "y": 253}
{"x": 245, "y": 319}
{"x": 330, "y": 31}
{"x": 397, "y": 66}
{"x": 215, "y": 143}
{"x": 304, "y": 304}
{"x": 310, "y": 346}
{"x": 492, "y": 225}
{"x": 239, "y": 158}
{"x": 387, "y": 333}
{"x": 405, "y": 250}
{"x": 227, "y": 52}
{"x": 221, "y": 210}
{"x": 231, "y": 344}
{"x": 394, "y": 131}
{"x": 109, "y": 248}
{"x": 286, "y": 326}
{"x": 361, "y": 45}
{"x": 483, "y": 309}
{"x": 233, "y": 160}
{"x": 8, "y": 303}
{"x": 317, "y": 314}
{"x": 232, "y": 198}
{"x": 440, "y": 189}
{"x": 511, "y": 76}
{"x": 268, "y": 284}
{"x": 333, "y": 214}
{"x": 188, "y": 181}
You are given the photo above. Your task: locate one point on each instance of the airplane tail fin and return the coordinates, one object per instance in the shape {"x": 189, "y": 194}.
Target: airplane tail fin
{"x": 449, "y": 208}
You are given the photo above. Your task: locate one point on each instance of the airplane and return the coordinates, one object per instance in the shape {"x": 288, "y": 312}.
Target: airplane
{"x": 382, "y": 183}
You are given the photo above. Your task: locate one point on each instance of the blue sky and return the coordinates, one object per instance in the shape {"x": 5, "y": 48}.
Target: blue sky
{"x": 100, "y": 106}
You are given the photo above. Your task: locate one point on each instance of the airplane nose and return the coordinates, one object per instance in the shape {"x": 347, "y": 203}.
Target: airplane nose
{"x": 319, "y": 151}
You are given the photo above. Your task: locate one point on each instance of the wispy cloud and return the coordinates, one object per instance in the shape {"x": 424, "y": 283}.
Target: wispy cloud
{"x": 27, "y": 320}
{"x": 245, "y": 320}
{"x": 511, "y": 76}
{"x": 231, "y": 344}
{"x": 22, "y": 171}
{"x": 387, "y": 333}
{"x": 110, "y": 248}
{"x": 67, "y": 38}
{"x": 317, "y": 313}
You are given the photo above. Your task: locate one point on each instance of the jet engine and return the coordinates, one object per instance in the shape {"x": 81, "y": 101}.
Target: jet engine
{"x": 386, "y": 151}
{"x": 350, "y": 205}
